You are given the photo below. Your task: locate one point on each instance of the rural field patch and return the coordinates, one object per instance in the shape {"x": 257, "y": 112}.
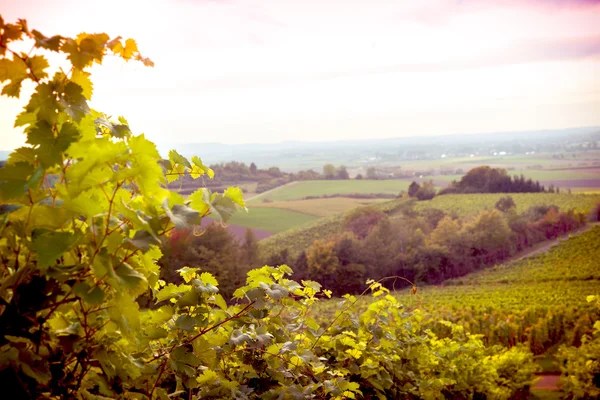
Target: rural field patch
{"x": 303, "y": 189}
{"x": 271, "y": 219}
{"x": 470, "y": 204}
{"x": 319, "y": 207}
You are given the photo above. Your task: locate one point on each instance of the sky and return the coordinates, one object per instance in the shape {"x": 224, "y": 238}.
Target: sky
{"x": 237, "y": 71}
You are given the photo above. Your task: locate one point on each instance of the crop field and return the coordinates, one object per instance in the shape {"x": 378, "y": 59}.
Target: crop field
{"x": 469, "y": 204}
{"x": 319, "y": 207}
{"x": 271, "y": 219}
{"x": 539, "y": 301}
{"x": 303, "y": 189}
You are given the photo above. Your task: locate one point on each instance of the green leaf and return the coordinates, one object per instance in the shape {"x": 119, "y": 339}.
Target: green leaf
{"x": 200, "y": 201}
{"x": 51, "y": 245}
{"x": 220, "y": 301}
{"x": 15, "y": 71}
{"x": 188, "y": 273}
{"x": 37, "y": 65}
{"x": 235, "y": 194}
{"x": 223, "y": 207}
{"x": 208, "y": 279}
{"x": 143, "y": 240}
{"x": 92, "y": 295}
{"x": 156, "y": 332}
{"x": 128, "y": 276}
{"x": 177, "y": 158}
{"x": 74, "y": 101}
{"x": 238, "y": 337}
{"x": 49, "y": 43}
{"x": 182, "y": 216}
{"x": 82, "y": 79}
{"x": 171, "y": 291}
{"x": 186, "y": 323}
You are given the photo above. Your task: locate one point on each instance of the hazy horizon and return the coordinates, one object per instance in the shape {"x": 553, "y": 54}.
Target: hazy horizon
{"x": 236, "y": 71}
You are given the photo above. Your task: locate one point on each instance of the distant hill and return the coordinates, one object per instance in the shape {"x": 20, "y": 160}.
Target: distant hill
{"x": 295, "y": 155}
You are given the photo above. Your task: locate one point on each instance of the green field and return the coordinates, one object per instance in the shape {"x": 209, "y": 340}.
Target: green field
{"x": 271, "y": 219}
{"x": 469, "y": 204}
{"x": 319, "y": 207}
{"x": 302, "y": 189}
{"x": 558, "y": 174}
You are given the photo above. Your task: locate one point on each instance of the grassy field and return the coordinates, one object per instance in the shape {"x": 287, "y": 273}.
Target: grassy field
{"x": 469, "y": 204}
{"x": 302, "y": 189}
{"x": 319, "y": 207}
{"x": 271, "y": 219}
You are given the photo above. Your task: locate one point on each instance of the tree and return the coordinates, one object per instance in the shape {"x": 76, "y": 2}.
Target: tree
{"x": 426, "y": 192}
{"x": 413, "y": 189}
{"x": 342, "y": 173}
{"x": 253, "y": 169}
{"x": 329, "y": 171}
{"x": 250, "y": 250}
{"x": 505, "y": 203}
{"x": 489, "y": 236}
{"x": 371, "y": 173}
{"x": 358, "y": 177}
{"x": 214, "y": 251}
{"x": 446, "y": 233}
{"x": 362, "y": 219}
{"x": 321, "y": 259}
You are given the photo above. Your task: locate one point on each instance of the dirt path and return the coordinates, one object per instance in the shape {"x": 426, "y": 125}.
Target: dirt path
{"x": 547, "y": 382}
{"x": 270, "y": 190}
{"x": 545, "y": 246}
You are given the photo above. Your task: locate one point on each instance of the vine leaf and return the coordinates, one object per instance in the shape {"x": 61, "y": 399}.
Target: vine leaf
{"x": 50, "y": 245}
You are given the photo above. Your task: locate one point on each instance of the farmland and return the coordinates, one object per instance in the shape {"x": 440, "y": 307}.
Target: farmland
{"x": 303, "y": 189}
{"x": 469, "y": 204}
{"x": 319, "y": 207}
{"x": 271, "y": 219}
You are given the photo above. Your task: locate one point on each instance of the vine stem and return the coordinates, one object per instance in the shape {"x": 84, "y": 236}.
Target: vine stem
{"x": 238, "y": 314}
{"x": 188, "y": 341}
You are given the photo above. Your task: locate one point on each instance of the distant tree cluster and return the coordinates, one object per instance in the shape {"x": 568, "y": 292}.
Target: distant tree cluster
{"x": 486, "y": 179}
{"x": 427, "y": 246}
{"x": 213, "y": 250}
{"x": 331, "y": 172}
{"x": 426, "y": 191}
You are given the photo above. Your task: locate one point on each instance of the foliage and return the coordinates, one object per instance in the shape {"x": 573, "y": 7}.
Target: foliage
{"x": 361, "y": 220}
{"x": 505, "y": 204}
{"x": 413, "y": 188}
{"x": 321, "y": 258}
{"x": 426, "y": 191}
{"x": 486, "y": 179}
{"x": 580, "y": 366}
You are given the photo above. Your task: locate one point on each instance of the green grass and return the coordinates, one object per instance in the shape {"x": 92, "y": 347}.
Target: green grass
{"x": 271, "y": 219}
{"x": 303, "y": 189}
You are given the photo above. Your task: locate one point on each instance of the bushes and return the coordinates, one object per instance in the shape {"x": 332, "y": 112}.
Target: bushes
{"x": 361, "y": 220}
{"x": 580, "y": 366}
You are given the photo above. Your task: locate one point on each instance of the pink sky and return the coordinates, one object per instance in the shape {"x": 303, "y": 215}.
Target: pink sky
{"x": 265, "y": 71}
